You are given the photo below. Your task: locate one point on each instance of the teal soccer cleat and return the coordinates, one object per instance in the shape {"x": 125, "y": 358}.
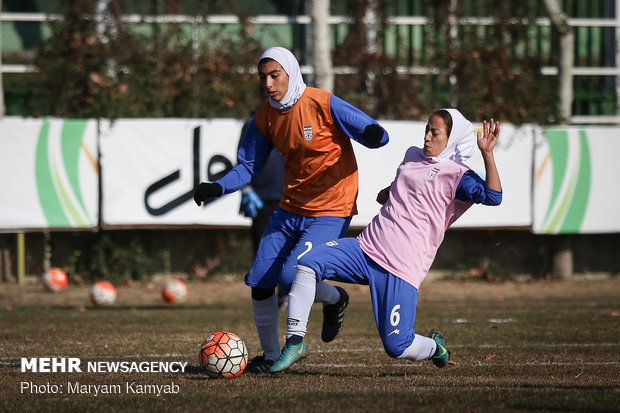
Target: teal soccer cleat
{"x": 290, "y": 354}
{"x": 442, "y": 355}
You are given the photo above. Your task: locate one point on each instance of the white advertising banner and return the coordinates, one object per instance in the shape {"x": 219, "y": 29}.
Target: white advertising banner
{"x": 48, "y": 174}
{"x": 151, "y": 166}
{"x": 576, "y": 181}
{"x": 557, "y": 180}
{"x": 513, "y": 155}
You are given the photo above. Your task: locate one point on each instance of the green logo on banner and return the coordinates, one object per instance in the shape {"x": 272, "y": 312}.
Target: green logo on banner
{"x": 57, "y": 175}
{"x": 570, "y": 182}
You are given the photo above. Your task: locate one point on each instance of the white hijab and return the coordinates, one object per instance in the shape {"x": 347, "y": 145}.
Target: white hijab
{"x": 296, "y": 85}
{"x": 461, "y": 142}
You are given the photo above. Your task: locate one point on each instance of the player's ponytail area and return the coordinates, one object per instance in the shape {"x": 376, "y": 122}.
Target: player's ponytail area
{"x": 526, "y": 346}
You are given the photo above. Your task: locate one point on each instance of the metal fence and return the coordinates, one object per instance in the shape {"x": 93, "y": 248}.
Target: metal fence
{"x": 597, "y": 52}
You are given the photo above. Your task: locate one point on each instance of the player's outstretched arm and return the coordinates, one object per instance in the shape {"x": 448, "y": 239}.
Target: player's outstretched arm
{"x": 205, "y": 191}
{"x": 251, "y": 158}
{"x": 486, "y": 143}
{"x": 356, "y": 124}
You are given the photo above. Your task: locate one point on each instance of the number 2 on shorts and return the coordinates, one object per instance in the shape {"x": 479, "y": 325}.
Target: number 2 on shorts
{"x": 308, "y": 245}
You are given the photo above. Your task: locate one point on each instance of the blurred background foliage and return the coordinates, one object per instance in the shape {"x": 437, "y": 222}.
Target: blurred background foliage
{"x": 117, "y": 69}
{"x": 127, "y": 73}
{"x": 125, "y": 70}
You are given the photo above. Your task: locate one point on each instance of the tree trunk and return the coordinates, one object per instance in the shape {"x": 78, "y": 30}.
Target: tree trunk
{"x": 562, "y": 257}
{"x": 561, "y": 249}
{"x": 371, "y": 45}
{"x": 559, "y": 20}
{"x": 6, "y": 268}
{"x": 322, "y": 61}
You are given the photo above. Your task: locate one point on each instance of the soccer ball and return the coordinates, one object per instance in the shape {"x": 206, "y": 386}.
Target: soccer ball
{"x": 174, "y": 291}
{"x": 223, "y": 355}
{"x": 102, "y": 293}
{"x": 55, "y": 279}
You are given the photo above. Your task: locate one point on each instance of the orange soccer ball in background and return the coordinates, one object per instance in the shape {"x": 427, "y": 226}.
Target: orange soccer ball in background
{"x": 174, "y": 291}
{"x": 102, "y": 293}
{"x": 55, "y": 279}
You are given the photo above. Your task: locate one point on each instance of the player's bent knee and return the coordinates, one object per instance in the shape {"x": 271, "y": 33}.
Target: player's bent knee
{"x": 395, "y": 348}
{"x": 260, "y": 294}
{"x": 309, "y": 261}
{"x": 393, "y": 352}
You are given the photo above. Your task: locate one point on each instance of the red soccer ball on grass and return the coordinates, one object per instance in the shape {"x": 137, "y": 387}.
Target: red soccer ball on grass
{"x": 223, "y": 355}
{"x": 174, "y": 291}
{"x": 103, "y": 293}
{"x": 55, "y": 279}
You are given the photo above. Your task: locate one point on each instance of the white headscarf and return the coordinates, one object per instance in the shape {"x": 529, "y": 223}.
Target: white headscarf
{"x": 296, "y": 85}
{"x": 461, "y": 142}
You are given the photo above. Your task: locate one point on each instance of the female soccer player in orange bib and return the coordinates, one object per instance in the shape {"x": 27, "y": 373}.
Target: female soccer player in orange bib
{"x": 313, "y": 129}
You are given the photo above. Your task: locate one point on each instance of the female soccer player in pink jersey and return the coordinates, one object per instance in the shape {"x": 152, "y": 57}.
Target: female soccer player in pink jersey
{"x": 313, "y": 129}
{"x": 393, "y": 254}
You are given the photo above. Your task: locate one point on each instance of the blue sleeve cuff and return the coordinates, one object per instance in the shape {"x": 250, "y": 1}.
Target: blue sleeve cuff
{"x": 251, "y": 158}
{"x": 472, "y": 188}
{"x": 353, "y": 122}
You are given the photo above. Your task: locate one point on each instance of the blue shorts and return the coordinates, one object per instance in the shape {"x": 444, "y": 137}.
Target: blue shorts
{"x": 288, "y": 237}
{"x": 394, "y": 300}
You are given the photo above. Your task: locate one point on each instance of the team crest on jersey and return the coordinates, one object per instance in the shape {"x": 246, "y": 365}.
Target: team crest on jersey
{"x": 331, "y": 243}
{"x": 308, "y": 133}
{"x": 433, "y": 173}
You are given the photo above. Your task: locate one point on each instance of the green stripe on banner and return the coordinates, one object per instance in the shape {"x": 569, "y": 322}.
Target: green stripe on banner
{"x": 576, "y": 213}
{"x": 66, "y": 199}
{"x": 71, "y": 141}
{"x": 565, "y": 203}
{"x": 48, "y": 199}
{"x": 558, "y": 148}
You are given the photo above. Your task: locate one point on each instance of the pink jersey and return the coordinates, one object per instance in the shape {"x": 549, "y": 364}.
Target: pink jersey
{"x": 404, "y": 236}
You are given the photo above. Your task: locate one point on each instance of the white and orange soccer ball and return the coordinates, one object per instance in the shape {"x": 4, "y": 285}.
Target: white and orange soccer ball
{"x": 223, "y": 355}
{"x": 55, "y": 279}
{"x": 103, "y": 293}
{"x": 174, "y": 291}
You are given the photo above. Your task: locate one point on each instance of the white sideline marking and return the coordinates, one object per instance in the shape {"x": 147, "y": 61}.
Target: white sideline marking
{"x": 10, "y": 361}
{"x": 420, "y": 364}
{"x": 459, "y": 363}
{"x": 155, "y": 355}
{"x": 485, "y": 346}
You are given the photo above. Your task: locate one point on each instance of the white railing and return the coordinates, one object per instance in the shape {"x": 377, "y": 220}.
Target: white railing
{"x": 334, "y": 20}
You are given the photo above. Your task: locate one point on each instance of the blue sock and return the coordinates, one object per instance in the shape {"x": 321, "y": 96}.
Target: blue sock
{"x": 294, "y": 340}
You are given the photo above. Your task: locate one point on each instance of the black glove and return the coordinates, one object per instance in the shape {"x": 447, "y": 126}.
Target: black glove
{"x": 373, "y": 134}
{"x": 206, "y": 190}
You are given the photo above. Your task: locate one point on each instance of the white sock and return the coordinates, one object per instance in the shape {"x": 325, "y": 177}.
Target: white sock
{"x": 300, "y": 300}
{"x": 266, "y": 320}
{"x": 422, "y": 348}
{"x": 326, "y": 294}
